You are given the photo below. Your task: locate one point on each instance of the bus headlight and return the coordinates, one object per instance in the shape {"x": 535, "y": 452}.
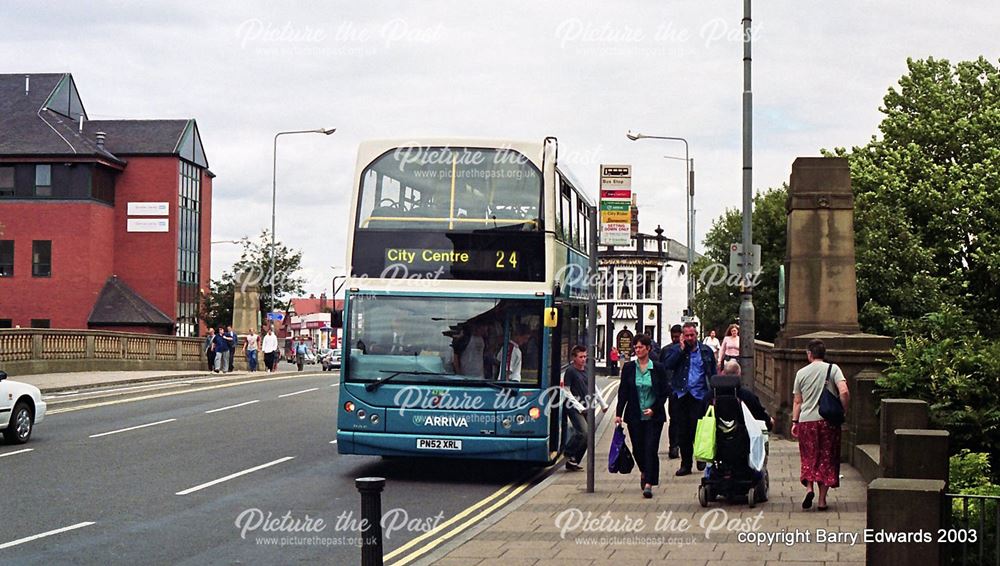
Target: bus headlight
{"x": 349, "y": 406}
{"x": 505, "y": 422}
{"x": 534, "y": 413}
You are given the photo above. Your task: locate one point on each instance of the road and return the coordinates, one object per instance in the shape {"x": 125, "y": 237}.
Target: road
{"x": 192, "y": 478}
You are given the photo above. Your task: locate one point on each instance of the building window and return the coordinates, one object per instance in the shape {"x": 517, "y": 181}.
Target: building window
{"x": 6, "y": 323}
{"x": 43, "y": 180}
{"x": 650, "y": 282}
{"x": 625, "y": 284}
{"x": 40, "y": 323}
{"x": 6, "y": 181}
{"x": 6, "y": 258}
{"x": 188, "y": 249}
{"x": 41, "y": 258}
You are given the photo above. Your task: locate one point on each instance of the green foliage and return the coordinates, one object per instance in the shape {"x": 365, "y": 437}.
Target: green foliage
{"x": 926, "y": 199}
{"x": 968, "y": 470}
{"x": 255, "y": 262}
{"x": 717, "y": 299}
{"x": 957, "y": 373}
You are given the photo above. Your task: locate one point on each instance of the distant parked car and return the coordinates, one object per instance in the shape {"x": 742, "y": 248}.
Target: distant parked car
{"x": 21, "y": 407}
{"x": 330, "y": 359}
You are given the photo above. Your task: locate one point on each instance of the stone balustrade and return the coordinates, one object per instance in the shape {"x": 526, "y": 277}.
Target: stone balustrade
{"x": 34, "y": 351}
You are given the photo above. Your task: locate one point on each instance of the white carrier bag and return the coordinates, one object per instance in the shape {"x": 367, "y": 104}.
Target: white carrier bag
{"x": 757, "y": 439}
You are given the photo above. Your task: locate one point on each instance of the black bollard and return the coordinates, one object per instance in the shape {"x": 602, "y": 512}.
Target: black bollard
{"x": 371, "y": 518}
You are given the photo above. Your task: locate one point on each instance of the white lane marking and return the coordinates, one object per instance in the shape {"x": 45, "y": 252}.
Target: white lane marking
{"x": 16, "y": 452}
{"x": 172, "y": 393}
{"x": 298, "y": 392}
{"x": 236, "y": 475}
{"x": 132, "y": 428}
{"x": 334, "y": 384}
{"x": 333, "y": 442}
{"x": 232, "y": 406}
{"x": 45, "y": 534}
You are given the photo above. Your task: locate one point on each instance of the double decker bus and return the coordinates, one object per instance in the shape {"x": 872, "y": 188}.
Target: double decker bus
{"x": 466, "y": 291}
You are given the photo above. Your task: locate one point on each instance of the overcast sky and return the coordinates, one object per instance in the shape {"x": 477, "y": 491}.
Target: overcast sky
{"x": 585, "y": 72}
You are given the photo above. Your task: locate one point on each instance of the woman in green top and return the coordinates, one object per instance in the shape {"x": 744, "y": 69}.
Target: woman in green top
{"x": 641, "y": 397}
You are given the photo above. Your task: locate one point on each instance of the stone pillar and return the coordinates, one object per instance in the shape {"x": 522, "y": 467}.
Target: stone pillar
{"x": 821, "y": 286}
{"x": 920, "y": 454}
{"x": 904, "y": 506}
{"x": 819, "y": 257}
{"x": 246, "y": 313}
{"x": 896, "y": 414}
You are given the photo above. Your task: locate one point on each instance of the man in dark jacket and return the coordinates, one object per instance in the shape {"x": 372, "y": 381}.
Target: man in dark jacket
{"x": 675, "y": 339}
{"x": 693, "y": 363}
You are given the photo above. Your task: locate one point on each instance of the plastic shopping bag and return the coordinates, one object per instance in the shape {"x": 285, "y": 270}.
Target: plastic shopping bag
{"x": 757, "y": 441}
{"x": 620, "y": 459}
{"x": 704, "y": 437}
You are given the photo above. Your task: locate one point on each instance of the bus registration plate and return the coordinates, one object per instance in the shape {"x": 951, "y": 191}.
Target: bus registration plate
{"x": 438, "y": 444}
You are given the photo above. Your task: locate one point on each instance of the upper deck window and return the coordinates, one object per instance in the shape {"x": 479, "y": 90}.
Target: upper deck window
{"x": 451, "y": 189}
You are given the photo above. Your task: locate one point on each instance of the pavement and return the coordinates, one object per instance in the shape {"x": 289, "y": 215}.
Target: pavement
{"x": 558, "y": 522}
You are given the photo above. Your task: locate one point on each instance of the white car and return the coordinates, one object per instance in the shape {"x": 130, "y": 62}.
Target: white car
{"x": 21, "y": 408}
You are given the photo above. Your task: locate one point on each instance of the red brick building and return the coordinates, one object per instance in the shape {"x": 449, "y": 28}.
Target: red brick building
{"x": 104, "y": 224}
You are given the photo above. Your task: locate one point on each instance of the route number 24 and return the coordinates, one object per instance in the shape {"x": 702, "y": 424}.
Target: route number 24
{"x": 511, "y": 260}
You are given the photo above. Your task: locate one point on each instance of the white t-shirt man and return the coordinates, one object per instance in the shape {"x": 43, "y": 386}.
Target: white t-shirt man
{"x": 270, "y": 343}
{"x": 809, "y": 382}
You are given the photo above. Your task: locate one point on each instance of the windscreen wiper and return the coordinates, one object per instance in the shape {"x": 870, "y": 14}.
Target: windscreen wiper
{"x": 378, "y": 383}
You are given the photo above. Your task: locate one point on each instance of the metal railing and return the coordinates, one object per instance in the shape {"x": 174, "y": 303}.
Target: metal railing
{"x": 972, "y": 535}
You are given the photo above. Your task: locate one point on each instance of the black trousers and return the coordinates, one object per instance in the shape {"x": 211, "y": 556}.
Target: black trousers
{"x": 672, "y": 430}
{"x": 645, "y": 447}
{"x": 211, "y": 359}
{"x": 687, "y": 413}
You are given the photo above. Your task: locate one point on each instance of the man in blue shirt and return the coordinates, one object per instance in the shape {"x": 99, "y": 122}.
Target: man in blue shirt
{"x": 223, "y": 351}
{"x": 693, "y": 363}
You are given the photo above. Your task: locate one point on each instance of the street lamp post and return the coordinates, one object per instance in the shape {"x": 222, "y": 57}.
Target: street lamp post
{"x": 274, "y": 192}
{"x": 690, "y": 205}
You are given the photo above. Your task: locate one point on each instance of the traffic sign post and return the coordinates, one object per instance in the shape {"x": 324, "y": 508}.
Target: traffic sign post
{"x": 275, "y": 316}
{"x": 616, "y": 205}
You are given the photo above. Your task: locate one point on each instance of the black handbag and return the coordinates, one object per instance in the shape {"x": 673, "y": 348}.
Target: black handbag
{"x": 830, "y": 407}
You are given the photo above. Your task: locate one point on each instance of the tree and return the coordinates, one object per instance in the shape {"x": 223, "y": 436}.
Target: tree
{"x": 255, "y": 262}
{"x": 717, "y": 300}
{"x": 926, "y": 199}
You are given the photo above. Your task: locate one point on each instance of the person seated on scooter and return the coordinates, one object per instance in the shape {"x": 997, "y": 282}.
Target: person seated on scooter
{"x": 732, "y": 367}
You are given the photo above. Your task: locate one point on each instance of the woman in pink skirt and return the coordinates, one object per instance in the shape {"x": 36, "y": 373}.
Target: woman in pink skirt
{"x": 819, "y": 441}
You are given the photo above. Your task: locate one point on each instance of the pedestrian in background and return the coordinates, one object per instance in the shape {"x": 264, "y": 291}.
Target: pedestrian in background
{"x": 223, "y": 351}
{"x": 613, "y": 360}
{"x": 269, "y": 345}
{"x": 250, "y": 349}
{"x": 674, "y": 451}
{"x": 209, "y": 348}
{"x": 576, "y": 381}
{"x": 713, "y": 343}
{"x": 730, "y": 347}
{"x": 234, "y": 343}
{"x": 693, "y": 364}
{"x": 642, "y": 394}
{"x": 819, "y": 440}
{"x": 300, "y": 352}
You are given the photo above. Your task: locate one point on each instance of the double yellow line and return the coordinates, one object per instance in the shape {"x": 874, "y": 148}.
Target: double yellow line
{"x": 478, "y": 511}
